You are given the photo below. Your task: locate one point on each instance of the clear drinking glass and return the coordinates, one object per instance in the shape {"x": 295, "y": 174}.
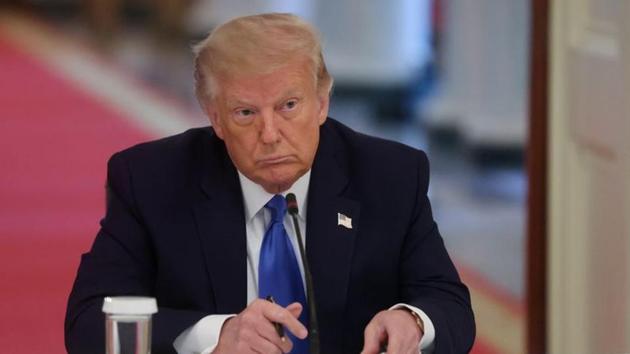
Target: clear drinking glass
{"x": 128, "y": 324}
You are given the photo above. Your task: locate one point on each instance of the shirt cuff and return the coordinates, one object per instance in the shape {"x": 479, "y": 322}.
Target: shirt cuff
{"x": 427, "y": 341}
{"x": 202, "y": 337}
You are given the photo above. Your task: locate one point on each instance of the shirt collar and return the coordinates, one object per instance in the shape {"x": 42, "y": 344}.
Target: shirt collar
{"x": 255, "y": 196}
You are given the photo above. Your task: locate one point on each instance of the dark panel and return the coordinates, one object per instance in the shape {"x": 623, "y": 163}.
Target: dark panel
{"x": 537, "y": 173}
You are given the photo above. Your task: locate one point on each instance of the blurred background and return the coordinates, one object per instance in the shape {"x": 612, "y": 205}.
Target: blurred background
{"x": 80, "y": 80}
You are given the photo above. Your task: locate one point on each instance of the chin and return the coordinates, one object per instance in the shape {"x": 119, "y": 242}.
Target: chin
{"x": 278, "y": 184}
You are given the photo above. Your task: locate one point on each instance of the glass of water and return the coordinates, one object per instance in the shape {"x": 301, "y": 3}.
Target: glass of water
{"x": 128, "y": 324}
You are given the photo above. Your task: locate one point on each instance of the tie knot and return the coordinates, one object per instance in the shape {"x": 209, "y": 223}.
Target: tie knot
{"x": 278, "y": 207}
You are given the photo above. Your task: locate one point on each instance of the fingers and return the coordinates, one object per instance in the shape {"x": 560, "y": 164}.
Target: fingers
{"x": 286, "y": 317}
{"x": 268, "y": 332}
{"x": 295, "y": 309}
{"x": 394, "y": 329}
{"x": 252, "y": 331}
{"x": 274, "y": 344}
{"x": 256, "y": 333}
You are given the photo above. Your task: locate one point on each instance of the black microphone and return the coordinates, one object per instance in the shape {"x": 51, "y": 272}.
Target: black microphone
{"x": 313, "y": 333}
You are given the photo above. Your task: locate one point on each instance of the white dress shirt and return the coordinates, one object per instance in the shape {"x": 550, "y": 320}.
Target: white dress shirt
{"x": 203, "y": 336}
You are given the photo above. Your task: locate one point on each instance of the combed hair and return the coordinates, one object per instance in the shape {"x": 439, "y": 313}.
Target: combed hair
{"x": 257, "y": 44}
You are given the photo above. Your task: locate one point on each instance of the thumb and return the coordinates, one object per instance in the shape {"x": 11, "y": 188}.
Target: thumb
{"x": 295, "y": 309}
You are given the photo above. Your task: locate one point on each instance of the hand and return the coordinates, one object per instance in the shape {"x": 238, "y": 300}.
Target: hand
{"x": 396, "y": 329}
{"x": 252, "y": 331}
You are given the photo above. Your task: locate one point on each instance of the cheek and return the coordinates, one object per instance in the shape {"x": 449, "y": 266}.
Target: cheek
{"x": 241, "y": 146}
{"x": 307, "y": 138}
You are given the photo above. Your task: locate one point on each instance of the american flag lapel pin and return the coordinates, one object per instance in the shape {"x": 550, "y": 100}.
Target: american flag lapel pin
{"x": 344, "y": 221}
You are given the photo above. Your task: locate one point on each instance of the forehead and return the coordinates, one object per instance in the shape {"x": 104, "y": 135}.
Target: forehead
{"x": 289, "y": 80}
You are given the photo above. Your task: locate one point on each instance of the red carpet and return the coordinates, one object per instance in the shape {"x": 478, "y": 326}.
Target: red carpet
{"x": 54, "y": 144}
{"x": 481, "y": 347}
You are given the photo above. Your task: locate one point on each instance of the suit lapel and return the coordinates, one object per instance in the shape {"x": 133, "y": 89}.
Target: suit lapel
{"x": 330, "y": 246}
{"x": 221, "y": 224}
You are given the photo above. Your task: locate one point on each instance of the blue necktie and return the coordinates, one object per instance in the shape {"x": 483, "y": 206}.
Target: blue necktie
{"x": 278, "y": 270}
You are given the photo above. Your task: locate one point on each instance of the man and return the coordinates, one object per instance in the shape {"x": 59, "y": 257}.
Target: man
{"x": 194, "y": 220}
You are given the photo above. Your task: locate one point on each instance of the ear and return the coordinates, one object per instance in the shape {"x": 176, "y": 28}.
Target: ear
{"x": 324, "y": 100}
{"x": 215, "y": 120}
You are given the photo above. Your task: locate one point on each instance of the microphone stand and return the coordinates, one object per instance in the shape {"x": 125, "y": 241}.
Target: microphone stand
{"x": 313, "y": 333}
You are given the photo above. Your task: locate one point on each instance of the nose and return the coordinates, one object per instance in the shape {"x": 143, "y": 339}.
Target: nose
{"x": 269, "y": 133}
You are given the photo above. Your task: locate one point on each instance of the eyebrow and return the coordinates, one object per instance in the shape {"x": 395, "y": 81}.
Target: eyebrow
{"x": 236, "y": 102}
{"x": 296, "y": 92}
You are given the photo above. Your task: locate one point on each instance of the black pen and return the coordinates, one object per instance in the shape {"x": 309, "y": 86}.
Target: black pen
{"x": 278, "y": 326}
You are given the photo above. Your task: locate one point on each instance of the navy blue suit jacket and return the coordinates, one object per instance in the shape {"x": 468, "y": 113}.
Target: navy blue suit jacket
{"x": 175, "y": 229}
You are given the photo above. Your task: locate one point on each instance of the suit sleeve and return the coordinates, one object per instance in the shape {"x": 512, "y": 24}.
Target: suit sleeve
{"x": 430, "y": 280}
{"x": 120, "y": 262}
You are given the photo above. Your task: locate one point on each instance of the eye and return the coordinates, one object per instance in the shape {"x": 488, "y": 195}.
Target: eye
{"x": 290, "y": 105}
{"x": 245, "y": 112}
{"x": 243, "y": 116}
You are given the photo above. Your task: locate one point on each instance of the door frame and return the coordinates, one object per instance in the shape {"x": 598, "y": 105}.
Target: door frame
{"x": 537, "y": 165}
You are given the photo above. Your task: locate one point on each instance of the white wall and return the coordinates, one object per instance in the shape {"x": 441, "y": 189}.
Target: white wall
{"x": 589, "y": 178}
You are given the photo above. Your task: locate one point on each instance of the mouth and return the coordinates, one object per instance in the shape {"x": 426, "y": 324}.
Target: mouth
{"x": 274, "y": 160}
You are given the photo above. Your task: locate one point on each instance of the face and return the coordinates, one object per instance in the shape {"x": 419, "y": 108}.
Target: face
{"x": 270, "y": 123}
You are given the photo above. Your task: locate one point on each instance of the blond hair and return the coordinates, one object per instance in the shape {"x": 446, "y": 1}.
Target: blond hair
{"x": 257, "y": 44}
